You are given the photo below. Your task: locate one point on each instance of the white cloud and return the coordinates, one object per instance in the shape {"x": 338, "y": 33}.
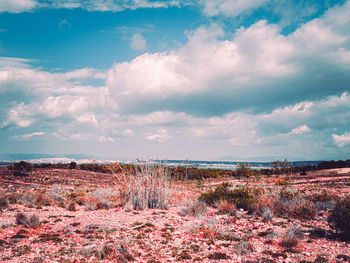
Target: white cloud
{"x": 341, "y": 140}
{"x": 257, "y": 62}
{"x": 138, "y": 42}
{"x": 106, "y": 139}
{"x": 253, "y": 90}
{"x": 204, "y": 63}
{"x": 17, "y": 6}
{"x": 300, "y": 129}
{"x": 231, "y": 8}
{"x": 64, "y": 136}
{"x": 21, "y": 115}
{"x": 27, "y": 136}
{"x": 161, "y": 136}
{"x": 108, "y": 5}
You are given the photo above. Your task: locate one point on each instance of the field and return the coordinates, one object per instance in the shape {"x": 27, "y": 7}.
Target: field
{"x": 70, "y": 215}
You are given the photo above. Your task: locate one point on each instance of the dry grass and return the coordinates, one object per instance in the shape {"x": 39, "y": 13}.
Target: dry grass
{"x": 194, "y": 208}
{"x": 27, "y": 221}
{"x": 148, "y": 187}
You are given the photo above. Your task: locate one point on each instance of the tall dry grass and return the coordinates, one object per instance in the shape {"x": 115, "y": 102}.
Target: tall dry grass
{"x": 147, "y": 186}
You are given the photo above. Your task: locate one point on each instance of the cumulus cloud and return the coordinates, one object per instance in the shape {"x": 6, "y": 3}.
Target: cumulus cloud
{"x": 17, "y": 6}
{"x": 234, "y": 74}
{"x": 258, "y": 88}
{"x": 300, "y": 129}
{"x": 138, "y": 42}
{"x": 161, "y": 136}
{"x": 341, "y": 140}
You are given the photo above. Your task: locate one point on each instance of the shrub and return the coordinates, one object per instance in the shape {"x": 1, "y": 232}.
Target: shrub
{"x": 13, "y": 197}
{"x": 243, "y": 170}
{"x": 102, "y": 205}
{"x": 23, "y": 166}
{"x": 104, "y": 197}
{"x": 4, "y": 202}
{"x": 323, "y": 196}
{"x": 218, "y": 256}
{"x": 226, "y": 208}
{"x": 57, "y": 193}
{"x": 291, "y": 204}
{"x": 194, "y": 208}
{"x": 317, "y": 232}
{"x": 27, "y": 198}
{"x": 72, "y": 165}
{"x": 339, "y": 216}
{"x": 72, "y": 206}
{"x": 43, "y": 199}
{"x": 241, "y": 197}
{"x": 267, "y": 214}
{"x": 304, "y": 210}
{"x": 292, "y": 237}
{"x": 243, "y": 247}
{"x": 31, "y": 221}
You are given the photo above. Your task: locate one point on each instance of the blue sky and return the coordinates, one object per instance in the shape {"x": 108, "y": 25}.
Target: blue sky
{"x": 212, "y": 80}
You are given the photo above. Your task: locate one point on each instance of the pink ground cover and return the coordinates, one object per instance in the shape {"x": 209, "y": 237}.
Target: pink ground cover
{"x": 153, "y": 235}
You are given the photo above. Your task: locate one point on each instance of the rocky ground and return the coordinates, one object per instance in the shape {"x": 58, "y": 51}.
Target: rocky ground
{"x": 76, "y": 216}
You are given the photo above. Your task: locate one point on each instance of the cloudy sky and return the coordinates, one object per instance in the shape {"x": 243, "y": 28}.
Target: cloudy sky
{"x": 175, "y": 79}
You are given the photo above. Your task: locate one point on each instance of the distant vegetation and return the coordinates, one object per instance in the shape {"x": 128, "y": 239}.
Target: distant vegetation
{"x": 193, "y": 173}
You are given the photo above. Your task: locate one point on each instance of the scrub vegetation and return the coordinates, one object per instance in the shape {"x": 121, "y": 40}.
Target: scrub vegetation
{"x": 116, "y": 213}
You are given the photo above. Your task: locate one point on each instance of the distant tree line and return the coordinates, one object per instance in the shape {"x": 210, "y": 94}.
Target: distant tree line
{"x": 190, "y": 173}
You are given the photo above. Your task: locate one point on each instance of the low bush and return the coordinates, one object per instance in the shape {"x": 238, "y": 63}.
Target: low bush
{"x": 321, "y": 197}
{"x": 303, "y": 210}
{"x": 226, "y": 208}
{"x": 267, "y": 214}
{"x": 4, "y": 202}
{"x": 292, "y": 237}
{"x": 102, "y": 205}
{"x": 317, "y": 232}
{"x": 27, "y": 198}
{"x": 41, "y": 198}
{"x": 27, "y": 221}
{"x": 243, "y": 248}
{"x": 241, "y": 197}
{"x": 72, "y": 206}
{"x": 194, "y": 208}
{"x": 218, "y": 256}
{"x": 339, "y": 216}
{"x": 290, "y": 203}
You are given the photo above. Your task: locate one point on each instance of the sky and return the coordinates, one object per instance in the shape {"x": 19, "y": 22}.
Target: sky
{"x": 173, "y": 79}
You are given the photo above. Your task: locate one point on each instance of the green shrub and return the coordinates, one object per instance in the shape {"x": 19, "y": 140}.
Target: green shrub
{"x": 241, "y": 197}
{"x": 244, "y": 170}
{"x": 339, "y": 216}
